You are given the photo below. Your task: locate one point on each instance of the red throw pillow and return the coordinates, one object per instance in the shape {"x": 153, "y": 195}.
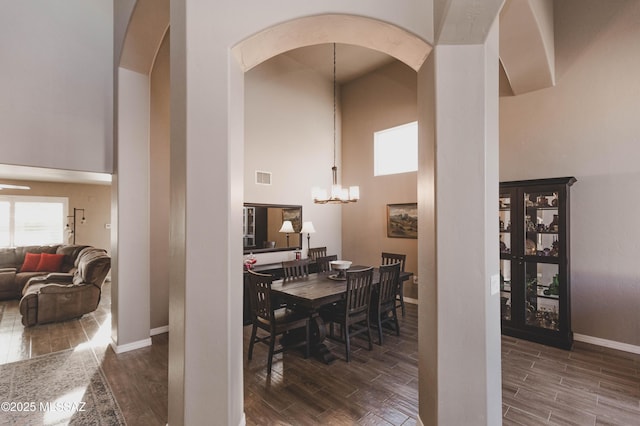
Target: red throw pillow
{"x": 30, "y": 263}
{"x": 50, "y": 262}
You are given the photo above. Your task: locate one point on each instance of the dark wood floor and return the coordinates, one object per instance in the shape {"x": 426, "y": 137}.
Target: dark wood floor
{"x": 541, "y": 385}
{"x": 588, "y": 385}
{"x": 377, "y": 387}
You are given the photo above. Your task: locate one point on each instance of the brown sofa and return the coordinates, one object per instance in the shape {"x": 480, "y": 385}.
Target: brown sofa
{"x": 60, "y": 297}
{"x": 13, "y": 280}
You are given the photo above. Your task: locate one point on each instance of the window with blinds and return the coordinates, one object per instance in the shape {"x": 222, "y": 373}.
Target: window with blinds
{"x": 32, "y": 220}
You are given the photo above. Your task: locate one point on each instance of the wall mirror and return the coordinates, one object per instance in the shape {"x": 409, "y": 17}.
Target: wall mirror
{"x": 261, "y": 224}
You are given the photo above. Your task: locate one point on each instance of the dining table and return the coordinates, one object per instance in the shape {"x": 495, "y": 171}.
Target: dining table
{"x": 313, "y": 292}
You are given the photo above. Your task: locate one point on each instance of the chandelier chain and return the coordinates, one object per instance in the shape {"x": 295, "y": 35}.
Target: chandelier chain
{"x": 334, "y": 104}
{"x": 337, "y": 194}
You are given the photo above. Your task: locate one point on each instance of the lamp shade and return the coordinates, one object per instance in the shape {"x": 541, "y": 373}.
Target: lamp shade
{"x": 287, "y": 227}
{"x": 308, "y": 228}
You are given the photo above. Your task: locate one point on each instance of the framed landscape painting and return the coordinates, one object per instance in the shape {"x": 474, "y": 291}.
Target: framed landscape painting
{"x": 402, "y": 220}
{"x": 295, "y": 216}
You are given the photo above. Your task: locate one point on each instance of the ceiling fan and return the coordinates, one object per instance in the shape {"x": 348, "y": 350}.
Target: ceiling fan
{"x": 7, "y": 186}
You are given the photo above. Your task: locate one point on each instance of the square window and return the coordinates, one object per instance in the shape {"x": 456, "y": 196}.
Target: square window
{"x": 395, "y": 150}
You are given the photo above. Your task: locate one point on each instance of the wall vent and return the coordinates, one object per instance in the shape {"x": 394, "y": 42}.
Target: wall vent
{"x": 263, "y": 178}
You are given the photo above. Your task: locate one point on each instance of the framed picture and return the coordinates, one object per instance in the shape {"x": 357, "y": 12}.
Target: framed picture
{"x": 402, "y": 220}
{"x": 295, "y": 216}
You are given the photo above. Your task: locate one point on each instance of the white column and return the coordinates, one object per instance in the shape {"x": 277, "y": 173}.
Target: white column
{"x": 205, "y": 306}
{"x": 459, "y": 342}
{"x": 130, "y": 288}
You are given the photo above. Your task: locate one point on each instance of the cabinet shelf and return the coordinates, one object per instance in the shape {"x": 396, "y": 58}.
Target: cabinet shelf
{"x": 540, "y": 259}
{"x": 543, "y": 207}
{"x": 551, "y": 297}
{"x": 526, "y": 311}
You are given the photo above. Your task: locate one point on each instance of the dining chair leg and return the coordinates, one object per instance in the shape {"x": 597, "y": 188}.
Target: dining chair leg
{"x": 401, "y": 297}
{"x": 379, "y": 318}
{"x": 253, "y": 340}
{"x": 307, "y": 344}
{"x": 369, "y": 334}
{"x": 347, "y": 342}
{"x": 272, "y": 344}
{"x": 395, "y": 320}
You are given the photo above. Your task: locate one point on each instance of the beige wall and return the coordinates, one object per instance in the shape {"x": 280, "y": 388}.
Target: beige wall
{"x": 289, "y": 120}
{"x": 95, "y": 199}
{"x": 159, "y": 188}
{"x": 377, "y": 101}
{"x": 588, "y": 126}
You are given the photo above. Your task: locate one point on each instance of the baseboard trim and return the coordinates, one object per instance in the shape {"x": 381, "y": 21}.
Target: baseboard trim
{"x": 410, "y": 300}
{"x": 159, "y": 330}
{"x": 130, "y": 346}
{"x": 611, "y": 344}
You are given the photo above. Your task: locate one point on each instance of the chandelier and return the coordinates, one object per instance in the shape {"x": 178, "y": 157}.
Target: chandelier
{"x": 338, "y": 194}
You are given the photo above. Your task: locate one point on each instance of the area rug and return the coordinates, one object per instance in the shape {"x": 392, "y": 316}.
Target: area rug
{"x": 61, "y": 388}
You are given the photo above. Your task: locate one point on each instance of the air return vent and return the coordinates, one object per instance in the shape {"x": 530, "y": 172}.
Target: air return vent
{"x": 263, "y": 178}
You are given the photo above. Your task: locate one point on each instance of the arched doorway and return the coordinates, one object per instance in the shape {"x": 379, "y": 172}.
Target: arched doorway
{"x": 207, "y": 134}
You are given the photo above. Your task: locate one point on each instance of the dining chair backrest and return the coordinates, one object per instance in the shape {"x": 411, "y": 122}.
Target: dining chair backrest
{"x": 260, "y": 296}
{"x": 316, "y": 252}
{"x": 323, "y": 262}
{"x": 388, "y": 258}
{"x": 295, "y": 269}
{"x": 387, "y": 288}
{"x": 358, "y": 291}
{"x": 271, "y": 318}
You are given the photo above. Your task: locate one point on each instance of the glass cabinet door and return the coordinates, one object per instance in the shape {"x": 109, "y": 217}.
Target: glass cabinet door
{"x": 541, "y": 224}
{"x": 542, "y": 290}
{"x": 505, "y": 255}
{"x": 505, "y": 289}
{"x": 541, "y": 275}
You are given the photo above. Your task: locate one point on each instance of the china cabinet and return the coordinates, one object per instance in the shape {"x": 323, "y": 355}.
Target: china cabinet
{"x": 534, "y": 260}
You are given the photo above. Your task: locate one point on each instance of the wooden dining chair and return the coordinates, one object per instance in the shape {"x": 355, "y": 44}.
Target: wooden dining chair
{"x": 294, "y": 269}
{"x": 316, "y": 252}
{"x": 388, "y": 258}
{"x": 323, "y": 262}
{"x": 383, "y": 300}
{"x": 274, "y": 321}
{"x": 353, "y": 311}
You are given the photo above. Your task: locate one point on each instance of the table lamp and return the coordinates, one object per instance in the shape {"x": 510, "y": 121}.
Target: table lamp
{"x": 309, "y": 229}
{"x": 287, "y": 227}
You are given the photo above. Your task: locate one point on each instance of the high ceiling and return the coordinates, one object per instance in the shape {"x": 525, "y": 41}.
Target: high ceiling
{"x": 526, "y": 44}
{"x": 351, "y": 61}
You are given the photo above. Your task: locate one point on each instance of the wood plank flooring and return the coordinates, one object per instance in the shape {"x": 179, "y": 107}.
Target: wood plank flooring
{"x": 588, "y": 385}
{"x": 541, "y": 385}
{"x": 378, "y": 387}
